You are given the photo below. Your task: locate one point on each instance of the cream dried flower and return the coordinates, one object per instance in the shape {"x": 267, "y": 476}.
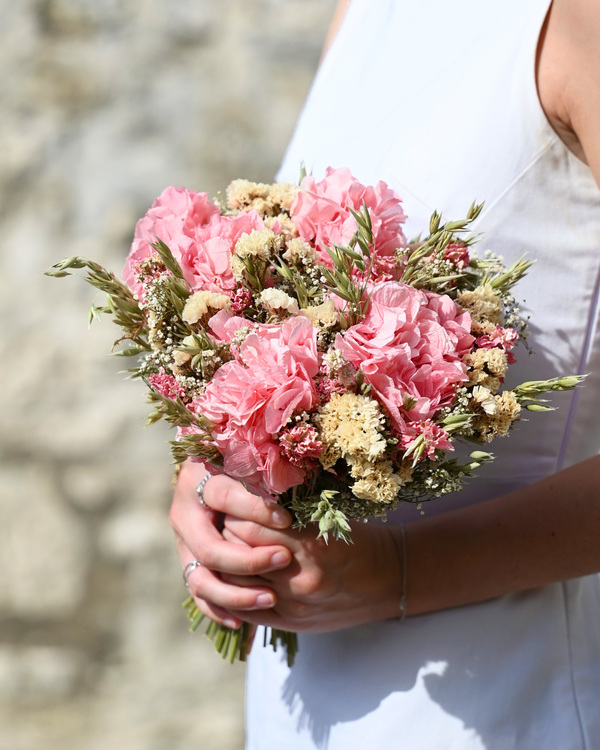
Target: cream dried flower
{"x": 487, "y": 367}
{"x": 484, "y": 398}
{"x": 484, "y": 303}
{"x": 482, "y": 327}
{"x": 376, "y": 481}
{"x": 201, "y": 303}
{"x": 299, "y": 253}
{"x": 350, "y": 426}
{"x": 277, "y": 301}
{"x": 283, "y": 194}
{"x": 238, "y": 269}
{"x": 284, "y": 225}
{"x": 490, "y": 426}
{"x": 266, "y": 199}
{"x": 181, "y": 358}
{"x": 322, "y": 316}
{"x": 258, "y": 245}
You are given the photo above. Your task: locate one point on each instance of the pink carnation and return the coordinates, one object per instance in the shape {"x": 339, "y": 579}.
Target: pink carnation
{"x": 410, "y": 347}
{"x": 201, "y": 240}
{"x": 458, "y": 254}
{"x": 206, "y": 262}
{"x": 166, "y": 385}
{"x": 321, "y": 213}
{"x": 504, "y": 338}
{"x": 300, "y": 444}
{"x": 251, "y": 399}
{"x": 435, "y": 438}
{"x": 173, "y": 218}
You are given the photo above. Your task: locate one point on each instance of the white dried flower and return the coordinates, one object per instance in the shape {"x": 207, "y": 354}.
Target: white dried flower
{"x": 276, "y": 300}
{"x": 483, "y": 397}
{"x": 201, "y": 303}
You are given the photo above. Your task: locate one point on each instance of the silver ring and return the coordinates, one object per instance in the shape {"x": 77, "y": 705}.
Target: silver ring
{"x": 188, "y": 569}
{"x": 200, "y": 491}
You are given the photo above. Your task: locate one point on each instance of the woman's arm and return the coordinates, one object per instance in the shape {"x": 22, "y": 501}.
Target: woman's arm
{"x": 569, "y": 76}
{"x": 549, "y": 531}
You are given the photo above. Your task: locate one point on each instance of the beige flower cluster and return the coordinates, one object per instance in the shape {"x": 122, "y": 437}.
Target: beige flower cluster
{"x": 487, "y": 367}
{"x": 203, "y": 303}
{"x": 498, "y": 414}
{"x": 284, "y": 226}
{"x": 376, "y": 481}
{"x": 350, "y": 427}
{"x": 258, "y": 245}
{"x": 267, "y": 200}
{"x": 300, "y": 253}
{"x": 322, "y": 316}
{"x": 484, "y": 303}
{"x": 254, "y": 250}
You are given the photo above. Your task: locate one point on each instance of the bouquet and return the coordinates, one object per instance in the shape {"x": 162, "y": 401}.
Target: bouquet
{"x": 299, "y": 343}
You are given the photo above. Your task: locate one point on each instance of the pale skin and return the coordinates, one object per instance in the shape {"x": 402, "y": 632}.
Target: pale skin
{"x": 540, "y": 534}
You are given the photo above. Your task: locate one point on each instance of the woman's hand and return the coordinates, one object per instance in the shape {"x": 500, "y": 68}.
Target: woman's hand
{"x": 199, "y": 538}
{"x": 258, "y": 570}
{"x": 326, "y": 586}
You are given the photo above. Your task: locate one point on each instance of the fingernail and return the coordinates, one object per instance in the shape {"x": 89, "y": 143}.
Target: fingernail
{"x": 264, "y": 600}
{"x": 231, "y": 623}
{"x": 280, "y": 559}
{"x": 280, "y": 517}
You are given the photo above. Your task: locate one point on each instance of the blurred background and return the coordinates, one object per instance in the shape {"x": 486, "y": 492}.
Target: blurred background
{"x": 103, "y": 103}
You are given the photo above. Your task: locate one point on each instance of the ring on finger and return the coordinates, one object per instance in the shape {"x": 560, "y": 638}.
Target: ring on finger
{"x": 188, "y": 569}
{"x": 200, "y": 492}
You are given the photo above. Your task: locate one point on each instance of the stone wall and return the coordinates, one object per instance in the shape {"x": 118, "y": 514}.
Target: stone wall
{"x": 103, "y": 104}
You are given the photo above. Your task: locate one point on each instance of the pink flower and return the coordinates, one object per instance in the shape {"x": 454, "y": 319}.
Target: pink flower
{"x": 250, "y": 400}
{"x": 166, "y": 385}
{"x": 321, "y": 213}
{"x": 434, "y": 437}
{"x": 201, "y": 240}
{"x": 504, "y": 338}
{"x": 300, "y": 443}
{"x": 410, "y": 347}
{"x": 458, "y": 254}
{"x": 173, "y": 218}
{"x": 242, "y": 300}
{"x": 206, "y": 262}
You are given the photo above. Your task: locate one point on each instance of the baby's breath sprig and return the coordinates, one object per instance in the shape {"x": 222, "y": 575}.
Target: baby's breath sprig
{"x": 434, "y": 479}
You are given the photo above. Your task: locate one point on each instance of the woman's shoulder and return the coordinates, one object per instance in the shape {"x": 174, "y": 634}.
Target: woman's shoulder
{"x": 568, "y": 74}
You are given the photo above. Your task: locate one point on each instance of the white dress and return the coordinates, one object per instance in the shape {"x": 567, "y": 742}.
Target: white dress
{"x": 438, "y": 98}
